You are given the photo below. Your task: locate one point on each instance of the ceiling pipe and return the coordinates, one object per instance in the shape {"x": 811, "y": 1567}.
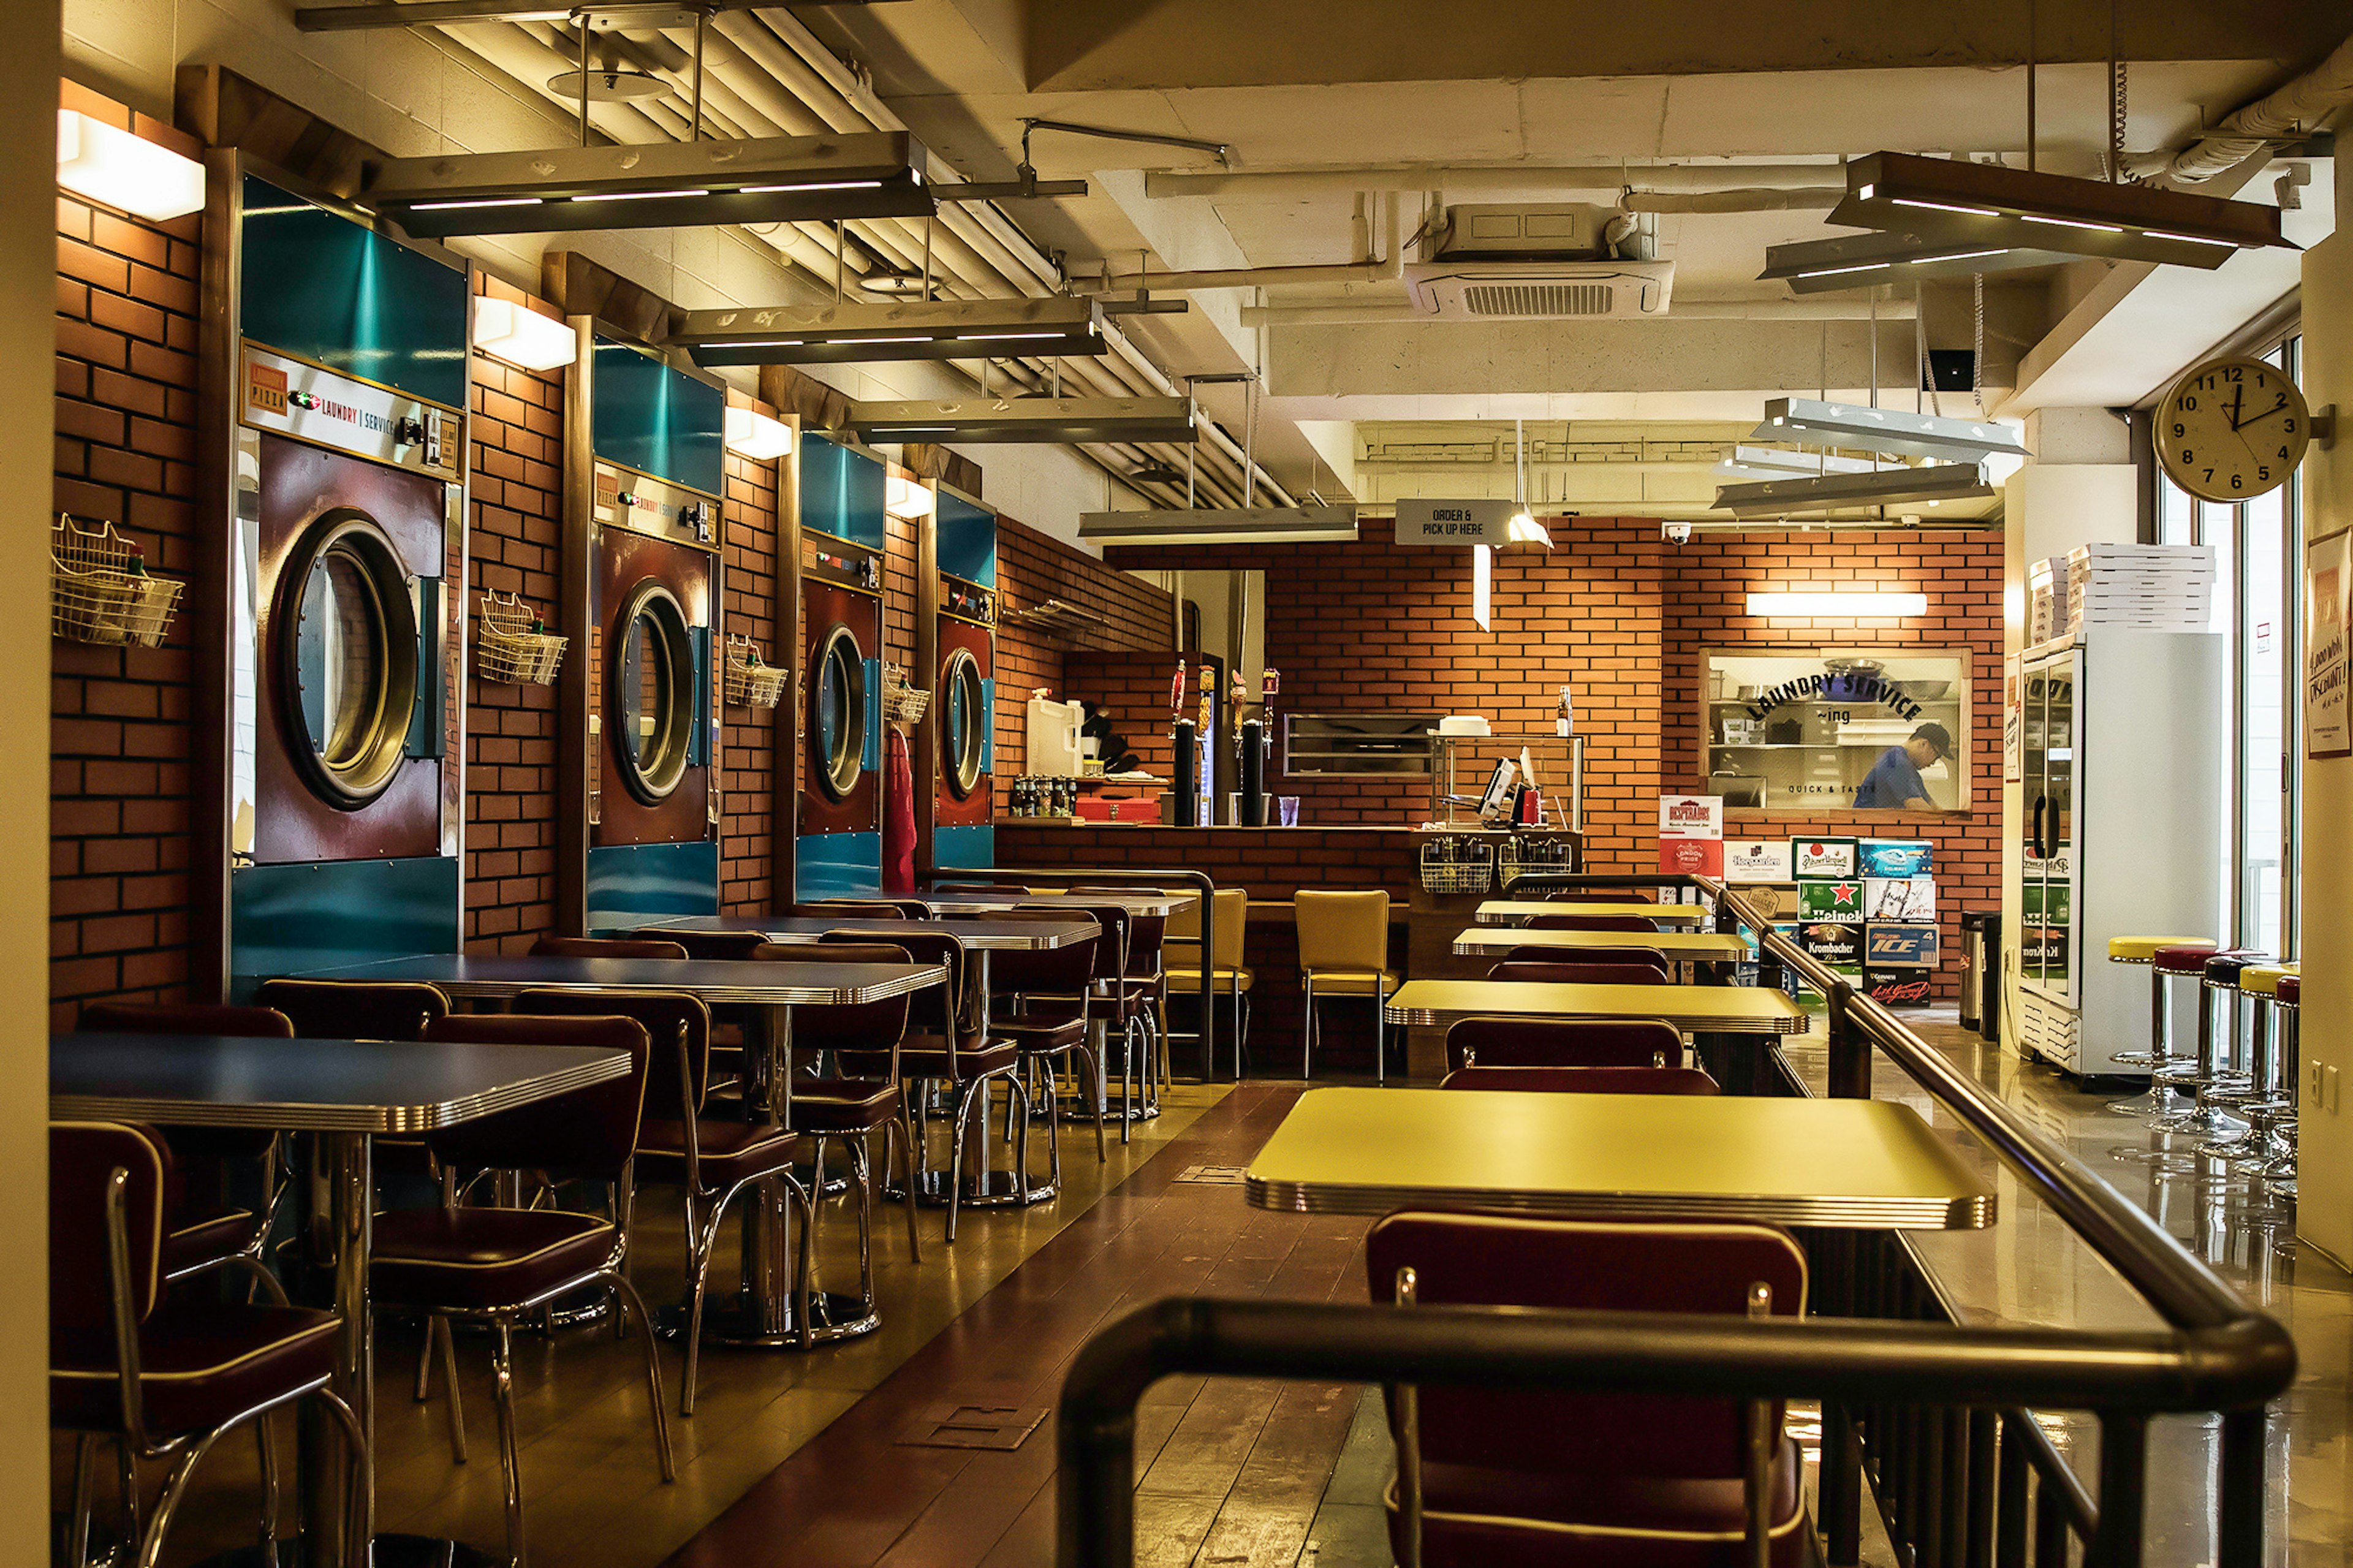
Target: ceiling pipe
{"x": 1610, "y": 177}
{"x": 2291, "y": 113}
{"x": 1746, "y": 199}
{"x": 1677, "y": 309}
{"x": 1388, "y": 269}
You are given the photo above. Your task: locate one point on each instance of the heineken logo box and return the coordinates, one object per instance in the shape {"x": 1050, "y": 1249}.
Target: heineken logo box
{"x": 1835, "y": 898}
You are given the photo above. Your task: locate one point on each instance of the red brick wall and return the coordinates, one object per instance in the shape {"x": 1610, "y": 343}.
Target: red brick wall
{"x": 119, "y": 724}
{"x": 748, "y": 735}
{"x": 514, "y": 545}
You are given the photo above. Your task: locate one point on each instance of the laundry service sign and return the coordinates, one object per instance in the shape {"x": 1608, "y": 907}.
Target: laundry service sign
{"x": 1862, "y": 690}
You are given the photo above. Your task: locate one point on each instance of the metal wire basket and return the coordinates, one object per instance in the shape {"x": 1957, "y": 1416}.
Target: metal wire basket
{"x": 1476, "y": 875}
{"x": 747, "y": 682}
{"x": 99, "y": 590}
{"x": 515, "y": 646}
{"x": 1519, "y": 855}
{"x": 902, "y": 703}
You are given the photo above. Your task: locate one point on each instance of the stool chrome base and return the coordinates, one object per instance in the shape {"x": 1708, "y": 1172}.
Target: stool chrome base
{"x": 737, "y": 1324}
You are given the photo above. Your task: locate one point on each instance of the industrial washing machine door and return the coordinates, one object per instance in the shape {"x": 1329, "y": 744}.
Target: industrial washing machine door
{"x": 963, "y": 724}
{"x": 838, "y": 704}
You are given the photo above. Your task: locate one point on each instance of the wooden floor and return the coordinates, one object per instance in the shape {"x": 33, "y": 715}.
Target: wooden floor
{"x": 594, "y": 1496}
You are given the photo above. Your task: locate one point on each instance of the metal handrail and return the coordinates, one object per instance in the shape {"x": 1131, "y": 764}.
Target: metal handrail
{"x": 1200, "y": 879}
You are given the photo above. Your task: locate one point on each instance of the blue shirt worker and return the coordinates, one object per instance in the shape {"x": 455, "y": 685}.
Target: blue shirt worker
{"x": 1895, "y": 782}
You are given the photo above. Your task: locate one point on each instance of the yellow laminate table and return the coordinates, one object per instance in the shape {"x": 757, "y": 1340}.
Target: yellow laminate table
{"x": 1696, "y": 1009}
{"x": 1512, "y": 912}
{"x": 1860, "y": 1164}
{"x": 1679, "y": 946}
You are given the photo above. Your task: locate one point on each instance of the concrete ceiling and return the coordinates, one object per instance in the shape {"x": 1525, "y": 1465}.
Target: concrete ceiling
{"x": 1301, "y": 84}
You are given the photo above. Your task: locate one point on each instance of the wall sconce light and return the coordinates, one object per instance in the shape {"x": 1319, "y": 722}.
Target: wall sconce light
{"x": 110, "y": 164}
{"x": 1861, "y": 606}
{"x": 908, "y": 499}
{"x": 752, "y": 434}
{"x": 522, "y": 336}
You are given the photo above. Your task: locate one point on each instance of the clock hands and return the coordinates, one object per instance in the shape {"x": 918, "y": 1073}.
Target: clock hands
{"x": 2274, "y": 409}
{"x": 2237, "y": 401}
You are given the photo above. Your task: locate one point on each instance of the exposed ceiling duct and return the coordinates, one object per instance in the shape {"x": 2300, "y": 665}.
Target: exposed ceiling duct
{"x": 2289, "y": 114}
{"x": 1283, "y": 183}
{"x": 1682, "y": 309}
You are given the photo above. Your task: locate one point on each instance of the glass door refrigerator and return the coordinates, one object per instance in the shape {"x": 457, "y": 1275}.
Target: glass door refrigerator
{"x": 2119, "y": 830}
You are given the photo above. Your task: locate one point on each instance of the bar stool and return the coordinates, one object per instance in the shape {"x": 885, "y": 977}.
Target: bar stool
{"x": 2279, "y": 1174}
{"x": 2215, "y": 1080}
{"x": 2272, "y": 1092}
{"x": 2157, "y": 1100}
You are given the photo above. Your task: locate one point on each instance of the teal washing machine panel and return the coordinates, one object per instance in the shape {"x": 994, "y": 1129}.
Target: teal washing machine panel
{"x": 965, "y": 848}
{"x": 658, "y": 420}
{"x": 967, "y": 536}
{"x": 842, "y": 492}
{"x": 630, "y": 880}
{"x": 831, "y": 865}
{"x": 286, "y": 919}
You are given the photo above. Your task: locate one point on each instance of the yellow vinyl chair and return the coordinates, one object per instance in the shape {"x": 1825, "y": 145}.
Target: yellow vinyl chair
{"x": 1227, "y": 973}
{"x": 1343, "y": 951}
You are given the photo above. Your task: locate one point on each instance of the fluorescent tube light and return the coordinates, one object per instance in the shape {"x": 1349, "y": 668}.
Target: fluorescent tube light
{"x": 522, "y": 336}
{"x": 752, "y": 434}
{"x": 480, "y": 202}
{"x": 814, "y": 186}
{"x": 1061, "y": 420}
{"x": 110, "y": 166}
{"x": 1221, "y": 525}
{"x": 1808, "y": 422}
{"x": 859, "y": 331}
{"x": 1840, "y": 605}
{"x": 637, "y": 195}
{"x": 1482, "y": 586}
{"x": 1902, "y": 486}
{"x": 1859, "y": 261}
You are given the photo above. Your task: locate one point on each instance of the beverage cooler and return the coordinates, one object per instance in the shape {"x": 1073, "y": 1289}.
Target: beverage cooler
{"x": 2120, "y": 831}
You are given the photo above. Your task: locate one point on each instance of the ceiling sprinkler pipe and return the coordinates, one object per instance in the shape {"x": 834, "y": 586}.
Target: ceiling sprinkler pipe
{"x": 2295, "y": 111}
{"x": 1273, "y": 184}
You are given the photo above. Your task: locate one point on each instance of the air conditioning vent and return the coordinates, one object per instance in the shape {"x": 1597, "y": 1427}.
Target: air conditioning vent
{"x": 1541, "y": 291}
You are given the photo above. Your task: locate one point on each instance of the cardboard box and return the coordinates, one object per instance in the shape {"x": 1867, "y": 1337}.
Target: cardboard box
{"x": 1769, "y": 903}
{"x": 1839, "y": 898}
{"x": 1759, "y": 860}
{"x": 1822, "y": 858}
{"x": 1836, "y": 944}
{"x": 1691, "y": 816}
{"x": 1900, "y": 944}
{"x": 1899, "y": 899}
{"x": 1907, "y": 990}
{"x": 1897, "y": 858}
{"x": 1691, "y": 856}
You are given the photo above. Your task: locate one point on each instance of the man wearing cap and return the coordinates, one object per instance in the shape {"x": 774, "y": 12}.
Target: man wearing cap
{"x": 1895, "y": 782}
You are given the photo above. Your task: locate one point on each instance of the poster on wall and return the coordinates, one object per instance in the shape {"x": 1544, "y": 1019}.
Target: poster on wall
{"x": 2329, "y": 579}
{"x": 2013, "y": 725}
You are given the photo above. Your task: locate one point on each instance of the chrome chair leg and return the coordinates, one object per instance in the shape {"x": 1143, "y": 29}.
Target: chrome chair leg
{"x": 1016, "y": 1089}
{"x": 363, "y": 1464}
{"x": 1053, "y": 1123}
{"x": 899, "y": 1131}
{"x": 265, "y": 1438}
{"x": 1307, "y": 1025}
{"x": 441, "y": 1328}
{"x": 861, "y": 1172}
{"x": 1380, "y": 1034}
{"x": 1126, "y": 1079}
{"x": 509, "y": 1455}
{"x": 85, "y": 1500}
{"x": 626, "y": 1296}
{"x": 175, "y": 1487}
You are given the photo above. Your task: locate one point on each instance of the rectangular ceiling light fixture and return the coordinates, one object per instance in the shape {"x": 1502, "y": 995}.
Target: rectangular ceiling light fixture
{"x": 922, "y": 328}
{"x": 1954, "y": 199}
{"x": 522, "y": 336}
{"x": 671, "y": 184}
{"x": 1066, "y": 421}
{"x": 1229, "y": 525}
{"x": 752, "y": 434}
{"x": 1842, "y": 606}
{"x": 1780, "y": 463}
{"x": 1847, "y": 427}
{"x": 1930, "y": 484}
{"x": 109, "y": 164}
{"x": 1866, "y": 260}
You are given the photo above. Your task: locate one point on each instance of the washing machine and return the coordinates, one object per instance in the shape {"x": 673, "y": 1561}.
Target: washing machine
{"x": 963, "y": 684}
{"x": 659, "y": 472}
{"x": 838, "y": 845}
{"x": 339, "y": 757}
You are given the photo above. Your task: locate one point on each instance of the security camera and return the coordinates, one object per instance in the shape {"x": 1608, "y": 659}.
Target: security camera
{"x": 1676, "y": 533}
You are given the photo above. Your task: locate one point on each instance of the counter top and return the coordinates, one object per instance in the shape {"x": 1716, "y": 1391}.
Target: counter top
{"x": 1067, "y": 822}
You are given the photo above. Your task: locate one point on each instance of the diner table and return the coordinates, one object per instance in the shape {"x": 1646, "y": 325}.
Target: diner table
{"x": 1512, "y": 912}
{"x": 762, "y": 1315}
{"x": 1729, "y": 1024}
{"x": 1135, "y": 901}
{"x": 343, "y": 1094}
{"x": 1677, "y": 946}
{"x": 1840, "y": 1164}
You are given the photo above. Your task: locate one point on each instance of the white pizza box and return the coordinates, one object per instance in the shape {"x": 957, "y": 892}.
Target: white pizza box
{"x": 2198, "y": 557}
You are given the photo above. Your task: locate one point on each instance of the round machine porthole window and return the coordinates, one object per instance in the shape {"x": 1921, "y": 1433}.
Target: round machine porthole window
{"x": 964, "y": 723}
{"x": 838, "y": 713}
{"x": 652, "y": 679}
{"x": 347, "y": 657}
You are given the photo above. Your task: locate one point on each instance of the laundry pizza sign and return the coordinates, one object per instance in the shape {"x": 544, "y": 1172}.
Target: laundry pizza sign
{"x": 309, "y": 403}
{"x": 1862, "y": 690}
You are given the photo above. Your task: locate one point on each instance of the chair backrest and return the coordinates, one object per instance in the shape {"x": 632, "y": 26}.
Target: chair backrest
{"x": 1583, "y": 1080}
{"x": 1112, "y": 950}
{"x": 1563, "y": 1043}
{"x": 356, "y": 1009}
{"x": 1342, "y": 929}
{"x": 1621, "y": 1266}
{"x": 83, "y": 1158}
{"x": 1587, "y": 896}
{"x": 1580, "y": 973}
{"x": 884, "y": 909}
{"x": 864, "y": 1027}
{"x": 929, "y": 1009}
{"x": 587, "y": 1135}
{"x": 1184, "y": 930}
{"x": 639, "y": 946}
{"x": 1047, "y": 971}
{"x": 186, "y": 1018}
{"x": 677, "y": 1025}
{"x": 1630, "y": 923}
{"x": 1537, "y": 953}
{"x": 705, "y": 945}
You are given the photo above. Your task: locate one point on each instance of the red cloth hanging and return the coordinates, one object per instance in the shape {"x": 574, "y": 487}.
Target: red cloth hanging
{"x": 898, "y": 815}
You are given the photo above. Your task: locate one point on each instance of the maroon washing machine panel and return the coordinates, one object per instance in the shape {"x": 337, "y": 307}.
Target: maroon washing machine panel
{"x": 650, "y": 594}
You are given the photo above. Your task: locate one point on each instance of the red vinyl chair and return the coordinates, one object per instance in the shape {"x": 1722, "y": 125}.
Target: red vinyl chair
{"x": 1050, "y": 1025}
{"x": 1630, "y": 925}
{"x": 1583, "y": 1080}
{"x": 1563, "y": 1043}
{"x": 1587, "y": 1480}
{"x": 202, "y": 1233}
{"x": 719, "y": 945}
{"x": 356, "y": 1009}
{"x": 1580, "y": 973}
{"x": 164, "y": 1379}
{"x": 604, "y": 947}
{"x": 494, "y": 1265}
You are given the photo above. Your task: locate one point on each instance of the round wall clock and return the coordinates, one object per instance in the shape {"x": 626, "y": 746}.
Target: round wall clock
{"x": 2231, "y": 429}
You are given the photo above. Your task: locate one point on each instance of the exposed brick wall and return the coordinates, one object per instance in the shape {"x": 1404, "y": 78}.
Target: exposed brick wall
{"x": 1132, "y": 689}
{"x": 514, "y": 545}
{"x": 1032, "y": 567}
{"x": 119, "y": 718}
{"x": 747, "y": 842}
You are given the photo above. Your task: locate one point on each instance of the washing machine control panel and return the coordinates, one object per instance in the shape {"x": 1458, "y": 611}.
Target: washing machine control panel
{"x": 643, "y": 504}
{"x": 294, "y": 397}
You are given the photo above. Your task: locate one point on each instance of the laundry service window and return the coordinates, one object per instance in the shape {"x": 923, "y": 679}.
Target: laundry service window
{"x": 1831, "y": 729}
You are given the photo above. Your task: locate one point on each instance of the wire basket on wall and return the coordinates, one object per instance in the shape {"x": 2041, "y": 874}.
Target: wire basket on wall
{"x": 516, "y": 647}
{"x": 746, "y": 680}
{"x": 1457, "y": 865}
{"x": 99, "y": 590}
{"x": 902, "y": 703}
